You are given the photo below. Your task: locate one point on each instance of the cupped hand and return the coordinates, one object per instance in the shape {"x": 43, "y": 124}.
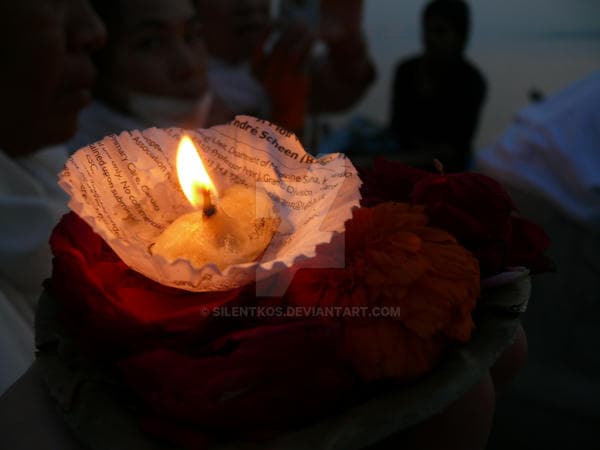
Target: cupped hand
{"x": 283, "y": 70}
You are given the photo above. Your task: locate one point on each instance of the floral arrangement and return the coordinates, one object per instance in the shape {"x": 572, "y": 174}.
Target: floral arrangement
{"x": 420, "y": 243}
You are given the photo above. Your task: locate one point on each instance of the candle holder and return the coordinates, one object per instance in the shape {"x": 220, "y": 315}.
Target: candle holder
{"x": 125, "y": 187}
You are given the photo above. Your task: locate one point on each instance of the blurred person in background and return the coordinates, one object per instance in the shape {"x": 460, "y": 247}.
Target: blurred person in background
{"x": 312, "y": 59}
{"x": 152, "y": 72}
{"x": 48, "y": 81}
{"x": 437, "y": 96}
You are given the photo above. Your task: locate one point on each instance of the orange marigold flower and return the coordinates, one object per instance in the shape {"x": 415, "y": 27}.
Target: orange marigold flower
{"x": 394, "y": 260}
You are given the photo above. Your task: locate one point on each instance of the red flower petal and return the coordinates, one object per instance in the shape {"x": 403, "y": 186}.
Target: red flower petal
{"x": 472, "y": 207}
{"x": 393, "y": 259}
{"x": 389, "y": 181}
{"x": 107, "y": 302}
{"x": 261, "y": 377}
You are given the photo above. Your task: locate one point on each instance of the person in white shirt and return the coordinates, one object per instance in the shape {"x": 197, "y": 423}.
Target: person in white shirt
{"x": 46, "y": 84}
{"x": 552, "y": 148}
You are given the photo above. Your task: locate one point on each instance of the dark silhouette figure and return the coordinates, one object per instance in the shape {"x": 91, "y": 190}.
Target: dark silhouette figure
{"x": 437, "y": 96}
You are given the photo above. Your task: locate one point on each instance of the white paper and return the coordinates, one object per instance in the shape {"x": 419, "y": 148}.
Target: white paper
{"x": 126, "y": 188}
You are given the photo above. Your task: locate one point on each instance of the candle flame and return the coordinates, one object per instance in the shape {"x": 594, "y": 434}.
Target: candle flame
{"x": 193, "y": 178}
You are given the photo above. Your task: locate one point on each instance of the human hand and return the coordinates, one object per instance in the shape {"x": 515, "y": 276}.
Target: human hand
{"x": 340, "y": 18}
{"x": 28, "y": 417}
{"x": 467, "y": 423}
{"x": 284, "y": 73}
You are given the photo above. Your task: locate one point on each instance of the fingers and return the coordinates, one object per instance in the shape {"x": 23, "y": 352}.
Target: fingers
{"x": 510, "y": 362}
{"x": 260, "y": 53}
{"x": 36, "y": 411}
{"x": 284, "y": 74}
{"x": 293, "y": 47}
{"x": 290, "y": 54}
{"x": 465, "y": 425}
{"x": 340, "y": 18}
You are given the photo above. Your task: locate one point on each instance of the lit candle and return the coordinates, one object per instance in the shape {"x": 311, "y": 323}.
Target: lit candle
{"x": 233, "y": 228}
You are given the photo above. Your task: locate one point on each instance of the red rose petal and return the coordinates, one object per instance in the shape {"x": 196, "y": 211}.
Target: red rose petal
{"x": 265, "y": 376}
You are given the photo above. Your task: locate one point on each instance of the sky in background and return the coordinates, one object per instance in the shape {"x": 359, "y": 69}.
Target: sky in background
{"x": 517, "y": 44}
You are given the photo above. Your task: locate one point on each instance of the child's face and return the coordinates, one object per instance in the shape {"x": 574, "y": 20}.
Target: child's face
{"x": 156, "y": 48}
{"x": 47, "y": 72}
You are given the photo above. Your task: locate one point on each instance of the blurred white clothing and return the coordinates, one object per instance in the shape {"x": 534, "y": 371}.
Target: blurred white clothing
{"x": 553, "y": 150}
{"x": 235, "y": 84}
{"x": 99, "y": 120}
{"x": 31, "y": 203}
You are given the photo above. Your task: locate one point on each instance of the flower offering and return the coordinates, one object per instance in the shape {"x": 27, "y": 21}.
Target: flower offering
{"x": 258, "y": 299}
